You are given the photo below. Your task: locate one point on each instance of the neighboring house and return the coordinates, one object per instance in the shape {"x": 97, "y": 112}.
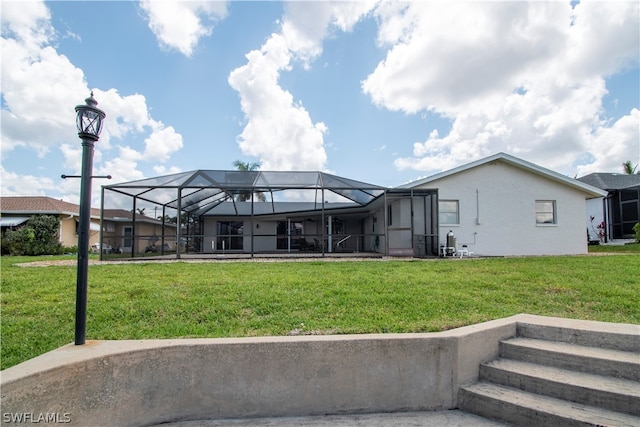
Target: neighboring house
{"x": 502, "y": 205}
{"x": 15, "y": 211}
{"x": 615, "y": 216}
{"x": 117, "y": 224}
{"x": 119, "y": 229}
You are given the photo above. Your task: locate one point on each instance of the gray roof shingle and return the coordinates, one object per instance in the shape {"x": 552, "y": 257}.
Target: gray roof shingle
{"x": 611, "y": 181}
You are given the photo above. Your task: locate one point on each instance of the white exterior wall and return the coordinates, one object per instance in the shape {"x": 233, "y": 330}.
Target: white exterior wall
{"x": 263, "y": 238}
{"x": 497, "y": 212}
{"x": 208, "y": 242}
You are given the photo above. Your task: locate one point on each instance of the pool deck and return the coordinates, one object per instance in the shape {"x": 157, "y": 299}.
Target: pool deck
{"x": 453, "y": 418}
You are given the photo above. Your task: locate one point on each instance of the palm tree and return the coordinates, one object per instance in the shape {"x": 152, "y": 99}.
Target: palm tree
{"x": 246, "y": 167}
{"x": 244, "y": 196}
{"x": 628, "y": 168}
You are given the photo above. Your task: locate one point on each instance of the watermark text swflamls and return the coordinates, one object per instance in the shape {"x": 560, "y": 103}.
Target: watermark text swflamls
{"x": 36, "y": 417}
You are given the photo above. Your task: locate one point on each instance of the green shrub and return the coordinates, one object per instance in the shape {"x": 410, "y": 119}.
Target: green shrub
{"x": 636, "y": 228}
{"x": 39, "y": 236}
{"x": 17, "y": 242}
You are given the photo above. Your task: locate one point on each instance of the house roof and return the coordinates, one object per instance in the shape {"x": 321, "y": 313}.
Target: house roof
{"x": 122, "y": 215}
{"x": 42, "y": 205}
{"x": 611, "y": 181}
{"x": 590, "y": 190}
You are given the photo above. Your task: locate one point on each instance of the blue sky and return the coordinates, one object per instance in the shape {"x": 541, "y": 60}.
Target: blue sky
{"x": 382, "y": 92}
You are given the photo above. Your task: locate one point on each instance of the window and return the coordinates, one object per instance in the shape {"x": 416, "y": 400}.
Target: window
{"x": 448, "y": 212}
{"x": 545, "y": 212}
{"x": 127, "y": 237}
{"x": 230, "y": 235}
{"x": 289, "y": 239}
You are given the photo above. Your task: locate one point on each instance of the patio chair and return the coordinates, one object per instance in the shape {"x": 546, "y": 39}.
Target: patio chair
{"x": 304, "y": 245}
{"x": 446, "y": 251}
{"x": 464, "y": 251}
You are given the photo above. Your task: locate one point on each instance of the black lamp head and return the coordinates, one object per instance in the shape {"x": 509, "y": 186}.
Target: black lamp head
{"x": 89, "y": 119}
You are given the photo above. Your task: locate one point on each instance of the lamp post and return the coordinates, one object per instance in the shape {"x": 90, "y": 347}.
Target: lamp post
{"x": 89, "y": 120}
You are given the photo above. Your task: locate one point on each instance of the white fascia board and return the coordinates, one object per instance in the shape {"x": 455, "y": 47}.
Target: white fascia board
{"x": 592, "y": 192}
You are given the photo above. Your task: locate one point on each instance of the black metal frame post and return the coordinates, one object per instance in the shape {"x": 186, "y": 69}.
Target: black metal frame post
{"x": 83, "y": 240}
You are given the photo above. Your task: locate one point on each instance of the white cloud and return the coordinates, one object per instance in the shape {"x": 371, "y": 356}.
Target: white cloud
{"x": 163, "y": 170}
{"x": 179, "y": 24}
{"x": 40, "y": 88}
{"x": 162, "y": 143}
{"x": 28, "y": 22}
{"x": 127, "y": 114}
{"x": 124, "y": 167}
{"x": 72, "y": 156}
{"x": 604, "y": 39}
{"x": 521, "y": 77}
{"x": 25, "y": 185}
{"x": 279, "y": 130}
{"x": 611, "y": 146}
{"x": 306, "y": 24}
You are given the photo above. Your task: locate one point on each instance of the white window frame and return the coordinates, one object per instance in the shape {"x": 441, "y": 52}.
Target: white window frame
{"x": 542, "y": 211}
{"x": 456, "y": 212}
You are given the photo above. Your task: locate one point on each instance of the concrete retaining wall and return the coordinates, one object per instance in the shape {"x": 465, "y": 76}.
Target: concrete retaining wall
{"x": 149, "y": 382}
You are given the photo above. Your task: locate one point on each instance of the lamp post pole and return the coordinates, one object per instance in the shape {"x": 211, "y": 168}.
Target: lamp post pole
{"x": 89, "y": 122}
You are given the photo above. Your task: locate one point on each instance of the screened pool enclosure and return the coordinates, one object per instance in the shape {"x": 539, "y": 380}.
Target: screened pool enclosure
{"x": 211, "y": 212}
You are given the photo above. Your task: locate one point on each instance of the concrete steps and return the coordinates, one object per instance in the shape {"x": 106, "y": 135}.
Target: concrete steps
{"x": 551, "y": 376}
{"x": 600, "y": 361}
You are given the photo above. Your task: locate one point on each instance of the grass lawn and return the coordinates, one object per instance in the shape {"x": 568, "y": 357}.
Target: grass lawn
{"x": 234, "y": 299}
{"x": 631, "y": 247}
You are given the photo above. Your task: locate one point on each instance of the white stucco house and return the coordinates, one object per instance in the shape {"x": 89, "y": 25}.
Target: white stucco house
{"x": 496, "y": 206}
{"x": 502, "y": 205}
